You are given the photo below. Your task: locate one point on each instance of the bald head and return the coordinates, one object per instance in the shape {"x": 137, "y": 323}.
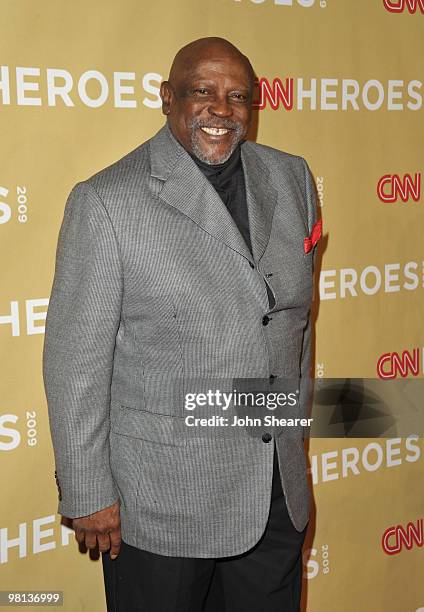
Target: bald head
{"x": 207, "y": 98}
{"x": 207, "y": 48}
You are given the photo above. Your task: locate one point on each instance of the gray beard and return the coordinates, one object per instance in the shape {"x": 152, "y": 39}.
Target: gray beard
{"x": 211, "y": 159}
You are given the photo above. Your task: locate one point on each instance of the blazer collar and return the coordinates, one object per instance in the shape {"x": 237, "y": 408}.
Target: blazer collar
{"x": 187, "y": 189}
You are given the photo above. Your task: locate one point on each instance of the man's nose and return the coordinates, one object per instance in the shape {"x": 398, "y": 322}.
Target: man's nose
{"x": 220, "y": 107}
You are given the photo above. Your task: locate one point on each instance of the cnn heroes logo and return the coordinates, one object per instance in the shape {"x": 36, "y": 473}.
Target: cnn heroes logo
{"x": 338, "y": 94}
{"x": 14, "y": 430}
{"x": 12, "y": 319}
{"x": 399, "y": 537}
{"x": 353, "y": 461}
{"x": 395, "y": 188}
{"x": 33, "y": 537}
{"x": 392, "y": 365}
{"x": 14, "y": 204}
{"x": 390, "y": 278}
{"x": 399, "y": 6}
{"x": 33, "y": 86}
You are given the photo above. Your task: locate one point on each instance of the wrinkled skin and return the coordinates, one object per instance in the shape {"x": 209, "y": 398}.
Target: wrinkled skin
{"x": 210, "y": 85}
{"x": 102, "y": 528}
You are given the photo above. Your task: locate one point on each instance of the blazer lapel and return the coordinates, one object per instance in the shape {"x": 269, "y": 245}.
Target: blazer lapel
{"x": 187, "y": 189}
{"x": 261, "y": 198}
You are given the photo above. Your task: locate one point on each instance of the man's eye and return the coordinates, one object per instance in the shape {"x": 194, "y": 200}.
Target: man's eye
{"x": 239, "y": 96}
{"x": 201, "y": 90}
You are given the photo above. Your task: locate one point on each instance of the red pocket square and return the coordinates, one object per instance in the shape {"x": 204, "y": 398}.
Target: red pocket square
{"x": 310, "y": 241}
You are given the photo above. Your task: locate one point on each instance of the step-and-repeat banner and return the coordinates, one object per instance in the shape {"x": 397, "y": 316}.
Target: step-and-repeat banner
{"x": 339, "y": 83}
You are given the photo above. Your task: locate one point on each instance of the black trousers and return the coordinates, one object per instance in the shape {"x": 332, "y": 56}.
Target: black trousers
{"x": 267, "y": 577}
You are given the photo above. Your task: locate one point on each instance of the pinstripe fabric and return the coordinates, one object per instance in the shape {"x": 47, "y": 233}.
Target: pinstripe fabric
{"x": 153, "y": 285}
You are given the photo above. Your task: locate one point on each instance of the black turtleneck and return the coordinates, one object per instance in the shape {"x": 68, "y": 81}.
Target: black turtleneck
{"x": 228, "y": 180}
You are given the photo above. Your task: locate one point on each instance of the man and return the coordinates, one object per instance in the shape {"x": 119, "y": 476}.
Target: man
{"x": 190, "y": 257}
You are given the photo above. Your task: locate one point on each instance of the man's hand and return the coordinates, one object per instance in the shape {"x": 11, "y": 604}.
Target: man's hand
{"x": 103, "y": 527}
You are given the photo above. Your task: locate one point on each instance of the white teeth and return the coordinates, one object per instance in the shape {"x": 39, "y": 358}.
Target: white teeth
{"x": 215, "y": 131}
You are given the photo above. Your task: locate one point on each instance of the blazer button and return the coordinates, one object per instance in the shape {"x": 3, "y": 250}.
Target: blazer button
{"x": 265, "y": 320}
{"x": 266, "y": 438}
{"x": 251, "y": 265}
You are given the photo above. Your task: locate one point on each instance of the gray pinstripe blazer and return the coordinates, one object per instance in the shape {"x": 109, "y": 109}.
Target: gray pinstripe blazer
{"x": 155, "y": 285}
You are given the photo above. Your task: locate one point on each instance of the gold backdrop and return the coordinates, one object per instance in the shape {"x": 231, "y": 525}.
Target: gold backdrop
{"x": 341, "y": 86}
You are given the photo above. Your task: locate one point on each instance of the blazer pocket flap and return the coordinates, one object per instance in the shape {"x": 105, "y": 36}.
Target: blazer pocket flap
{"x": 157, "y": 428}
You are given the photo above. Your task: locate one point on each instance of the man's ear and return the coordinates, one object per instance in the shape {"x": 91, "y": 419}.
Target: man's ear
{"x": 165, "y": 93}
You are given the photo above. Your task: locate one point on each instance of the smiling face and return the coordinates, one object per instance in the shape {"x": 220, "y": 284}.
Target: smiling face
{"x": 208, "y": 100}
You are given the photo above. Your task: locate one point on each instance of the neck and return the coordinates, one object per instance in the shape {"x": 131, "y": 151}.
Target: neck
{"x": 233, "y": 161}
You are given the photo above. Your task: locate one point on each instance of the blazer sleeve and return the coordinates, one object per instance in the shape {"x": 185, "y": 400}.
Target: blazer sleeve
{"x": 81, "y": 326}
{"x": 305, "y": 363}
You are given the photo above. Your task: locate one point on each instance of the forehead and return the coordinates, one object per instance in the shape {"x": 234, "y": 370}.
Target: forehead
{"x": 218, "y": 68}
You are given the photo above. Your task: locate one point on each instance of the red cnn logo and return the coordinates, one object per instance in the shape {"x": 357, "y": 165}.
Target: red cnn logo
{"x": 398, "y": 6}
{"x": 395, "y": 538}
{"x": 275, "y": 94}
{"x": 391, "y": 187}
{"x": 390, "y": 365}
